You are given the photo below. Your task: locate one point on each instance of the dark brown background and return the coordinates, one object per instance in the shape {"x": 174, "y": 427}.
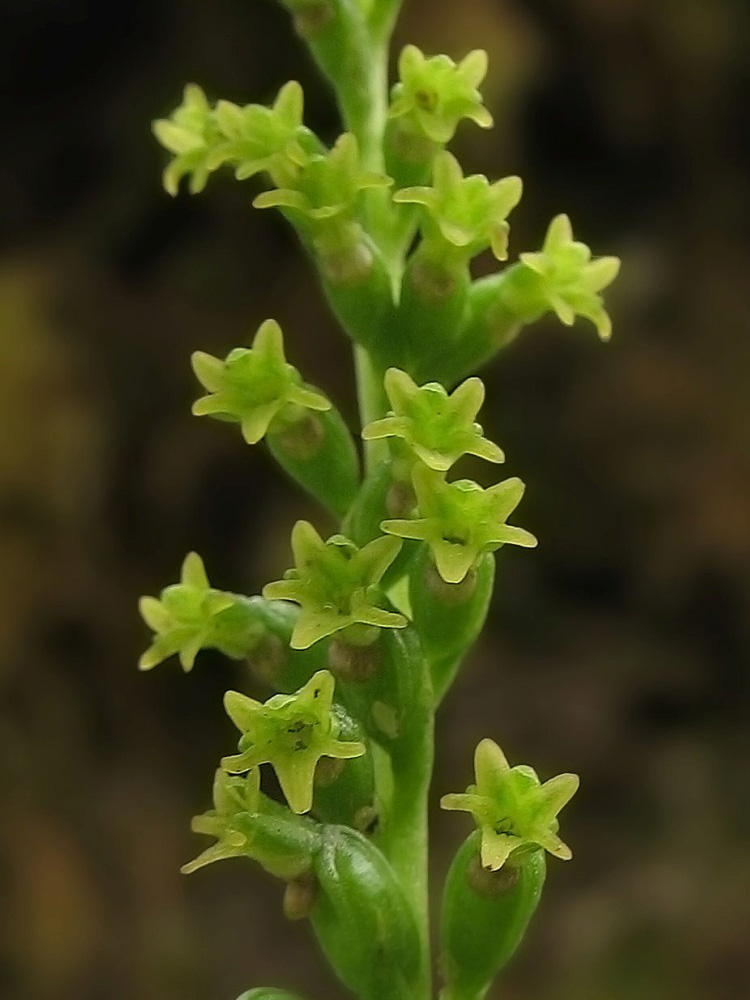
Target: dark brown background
{"x": 618, "y": 649}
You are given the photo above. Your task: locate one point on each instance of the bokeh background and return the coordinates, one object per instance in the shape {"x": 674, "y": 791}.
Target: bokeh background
{"x": 619, "y": 649}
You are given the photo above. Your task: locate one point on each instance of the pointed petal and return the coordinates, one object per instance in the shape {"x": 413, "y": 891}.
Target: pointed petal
{"x": 256, "y": 423}
{"x": 383, "y": 428}
{"x": 311, "y": 399}
{"x": 312, "y": 626}
{"x": 296, "y": 777}
{"x": 190, "y": 650}
{"x": 375, "y": 558}
{"x": 487, "y": 450}
{"x": 458, "y": 801}
{"x": 344, "y": 749}
{"x": 473, "y": 67}
{"x": 318, "y": 692}
{"x": 242, "y": 710}
{"x": 556, "y": 847}
{"x": 194, "y": 572}
{"x": 154, "y": 614}
{"x": 380, "y": 618}
{"x": 414, "y": 196}
{"x": 289, "y": 104}
{"x": 307, "y": 545}
{"x": 497, "y": 848}
{"x": 556, "y": 793}
{"x": 506, "y": 496}
{"x": 269, "y": 341}
{"x": 489, "y": 763}
{"x": 418, "y": 529}
{"x": 208, "y": 370}
{"x": 400, "y": 389}
{"x": 466, "y": 399}
{"x": 559, "y": 233}
{"x": 601, "y": 272}
{"x": 508, "y": 534}
{"x": 453, "y": 561}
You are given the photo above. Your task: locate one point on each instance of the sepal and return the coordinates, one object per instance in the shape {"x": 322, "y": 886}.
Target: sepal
{"x": 291, "y": 733}
{"x": 192, "y": 615}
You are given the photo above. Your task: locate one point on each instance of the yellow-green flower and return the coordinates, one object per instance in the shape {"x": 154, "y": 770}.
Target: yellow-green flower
{"x": 433, "y": 95}
{"x": 467, "y": 213}
{"x": 255, "y": 386}
{"x": 336, "y": 586}
{"x": 291, "y": 733}
{"x": 233, "y": 796}
{"x": 568, "y": 281}
{"x": 438, "y": 427}
{"x": 191, "y": 615}
{"x": 512, "y": 808}
{"x": 459, "y": 521}
{"x": 191, "y": 134}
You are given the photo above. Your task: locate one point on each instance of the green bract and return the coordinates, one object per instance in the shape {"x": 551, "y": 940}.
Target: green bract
{"x": 291, "y": 733}
{"x": 459, "y": 521}
{"x": 336, "y": 587}
{"x": 439, "y": 427}
{"x": 255, "y": 386}
{"x": 513, "y": 810}
{"x": 434, "y": 94}
{"x": 569, "y": 280}
{"x": 467, "y": 213}
{"x": 191, "y": 615}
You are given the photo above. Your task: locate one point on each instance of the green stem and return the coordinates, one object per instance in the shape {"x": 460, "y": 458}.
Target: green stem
{"x": 372, "y": 403}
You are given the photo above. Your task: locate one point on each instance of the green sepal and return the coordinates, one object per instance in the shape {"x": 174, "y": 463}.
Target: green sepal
{"x": 256, "y": 387}
{"x": 319, "y": 454}
{"x": 362, "y": 918}
{"x": 449, "y": 616}
{"x": 192, "y": 615}
{"x": 337, "y": 586}
{"x": 291, "y": 733}
{"x": 484, "y": 918}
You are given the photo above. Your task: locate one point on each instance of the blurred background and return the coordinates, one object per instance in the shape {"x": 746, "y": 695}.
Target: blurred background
{"x": 619, "y": 649}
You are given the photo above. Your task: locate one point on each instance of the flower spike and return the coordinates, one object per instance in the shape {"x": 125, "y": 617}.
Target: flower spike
{"x": 459, "y": 521}
{"x": 291, "y": 733}
{"x": 512, "y": 808}
{"x": 434, "y": 94}
{"x": 438, "y": 427}
{"x": 467, "y": 213}
{"x": 191, "y": 615}
{"x": 255, "y": 386}
{"x": 336, "y": 586}
{"x": 570, "y": 281}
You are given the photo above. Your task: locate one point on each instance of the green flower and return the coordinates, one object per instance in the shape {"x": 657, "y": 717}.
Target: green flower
{"x": 255, "y": 386}
{"x": 459, "y": 521}
{"x": 191, "y": 615}
{"x": 569, "y": 280}
{"x": 328, "y": 186}
{"x": 291, "y": 733}
{"x": 512, "y": 809}
{"x": 336, "y": 587}
{"x": 233, "y": 796}
{"x": 434, "y": 94}
{"x": 257, "y": 138}
{"x": 437, "y": 426}
{"x": 468, "y": 213}
{"x": 191, "y": 133}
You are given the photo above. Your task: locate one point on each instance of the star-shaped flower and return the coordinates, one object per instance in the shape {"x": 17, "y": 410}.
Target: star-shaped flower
{"x": 191, "y": 615}
{"x": 570, "y": 282}
{"x": 467, "y": 213}
{"x": 256, "y": 138}
{"x": 328, "y": 186}
{"x": 434, "y": 94}
{"x": 439, "y": 427}
{"x": 191, "y": 134}
{"x": 336, "y": 586}
{"x": 291, "y": 733}
{"x": 233, "y": 796}
{"x": 255, "y": 386}
{"x": 459, "y": 521}
{"x": 512, "y": 808}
